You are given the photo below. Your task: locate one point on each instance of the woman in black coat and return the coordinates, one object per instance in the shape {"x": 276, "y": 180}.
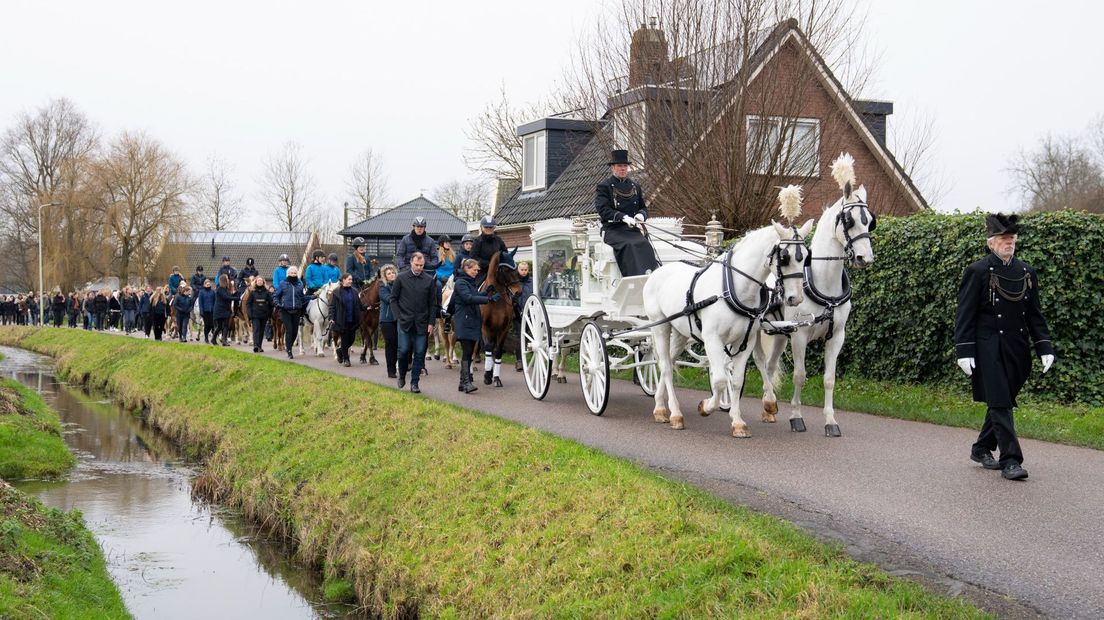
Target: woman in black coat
{"x": 466, "y": 318}
{"x": 224, "y": 301}
{"x": 182, "y": 304}
{"x": 345, "y": 314}
{"x": 259, "y": 309}
{"x": 159, "y": 311}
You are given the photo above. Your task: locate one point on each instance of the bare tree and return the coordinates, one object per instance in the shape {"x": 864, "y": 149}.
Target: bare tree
{"x": 44, "y": 157}
{"x": 288, "y": 190}
{"x": 368, "y": 185}
{"x": 1060, "y": 173}
{"x": 709, "y": 135}
{"x": 468, "y": 201}
{"x": 219, "y": 207}
{"x": 914, "y": 148}
{"x": 140, "y": 192}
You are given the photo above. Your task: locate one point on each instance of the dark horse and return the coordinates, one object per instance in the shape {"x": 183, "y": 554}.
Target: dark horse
{"x": 498, "y": 316}
{"x": 370, "y": 320}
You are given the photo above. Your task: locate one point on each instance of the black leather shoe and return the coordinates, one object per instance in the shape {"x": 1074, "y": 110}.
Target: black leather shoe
{"x": 346, "y": 363}
{"x": 290, "y": 356}
{"x": 986, "y": 459}
{"x": 401, "y": 382}
{"x": 1013, "y": 471}
{"x": 414, "y": 389}
{"x": 392, "y": 375}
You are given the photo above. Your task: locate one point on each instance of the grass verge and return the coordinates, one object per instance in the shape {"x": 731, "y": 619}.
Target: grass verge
{"x": 50, "y": 565}
{"x": 431, "y": 509}
{"x": 1075, "y": 425}
{"x": 30, "y": 435}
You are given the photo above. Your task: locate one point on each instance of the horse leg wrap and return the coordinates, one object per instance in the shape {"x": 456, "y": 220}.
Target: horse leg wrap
{"x": 497, "y": 367}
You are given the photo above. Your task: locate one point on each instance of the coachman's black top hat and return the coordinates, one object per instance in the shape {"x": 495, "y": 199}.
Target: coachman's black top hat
{"x": 1001, "y": 224}
{"x": 619, "y": 156}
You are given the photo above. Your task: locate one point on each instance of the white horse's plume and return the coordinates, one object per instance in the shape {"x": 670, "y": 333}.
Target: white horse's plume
{"x": 790, "y": 199}
{"x": 843, "y": 171}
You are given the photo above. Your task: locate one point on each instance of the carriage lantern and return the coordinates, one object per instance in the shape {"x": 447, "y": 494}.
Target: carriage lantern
{"x": 714, "y": 235}
{"x": 579, "y": 236}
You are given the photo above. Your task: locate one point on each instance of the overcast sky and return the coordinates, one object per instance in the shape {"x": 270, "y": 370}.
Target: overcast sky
{"x": 238, "y": 79}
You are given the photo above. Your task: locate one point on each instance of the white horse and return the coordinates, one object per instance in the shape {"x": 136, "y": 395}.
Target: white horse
{"x": 196, "y": 317}
{"x": 317, "y": 315}
{"x": 722, "y": 328}
{"x": 842, "y": 236}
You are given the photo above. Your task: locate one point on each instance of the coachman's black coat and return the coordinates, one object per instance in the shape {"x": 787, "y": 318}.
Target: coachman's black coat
{"x": 615, "y": 199}
{"x": 998, "y": 332}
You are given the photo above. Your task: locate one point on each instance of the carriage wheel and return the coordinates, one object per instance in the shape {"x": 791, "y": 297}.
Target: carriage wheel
{"x": 594, "y": 368}
{"x": 536, "y": 344}
{"x": 648, "y": 374}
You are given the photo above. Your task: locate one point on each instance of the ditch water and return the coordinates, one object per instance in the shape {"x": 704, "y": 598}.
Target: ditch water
{"x": 170, "y": 555}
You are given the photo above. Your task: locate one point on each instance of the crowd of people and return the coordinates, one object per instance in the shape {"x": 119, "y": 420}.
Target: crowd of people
{"x": 410, "y": 300}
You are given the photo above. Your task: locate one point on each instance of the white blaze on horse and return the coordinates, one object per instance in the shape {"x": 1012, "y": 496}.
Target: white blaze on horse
{"x": 842, "y": 239}
{"x": 317, "y": 316}
{"x": 729, "y": 297}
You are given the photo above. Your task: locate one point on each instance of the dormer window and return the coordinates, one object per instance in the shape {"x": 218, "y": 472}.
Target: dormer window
{"x": 534, "y": 173}
{"x": 794, "y": 141}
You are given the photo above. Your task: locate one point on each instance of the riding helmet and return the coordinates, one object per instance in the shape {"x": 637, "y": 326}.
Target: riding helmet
{"x": 333, "y": 256}
{"x": 487, "y": 222}
{"x": 283, "y": 257}
{"x": 359, "y": 241}
{"x": 419, "y": 221}
{"x": 318, "y": 253}
{"x": 466, "y": 239}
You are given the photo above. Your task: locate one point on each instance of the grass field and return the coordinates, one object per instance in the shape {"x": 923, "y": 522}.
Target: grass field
{"x": 430, "y": 508}
{"x": 30, "y": 435}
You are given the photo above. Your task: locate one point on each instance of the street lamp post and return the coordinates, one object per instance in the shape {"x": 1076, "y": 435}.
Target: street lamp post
{"x": 41, "y": 298}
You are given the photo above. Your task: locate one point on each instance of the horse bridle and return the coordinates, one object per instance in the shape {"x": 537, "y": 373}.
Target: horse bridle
{"x": 847, "y": 220}
{"x": 780, "y": 257}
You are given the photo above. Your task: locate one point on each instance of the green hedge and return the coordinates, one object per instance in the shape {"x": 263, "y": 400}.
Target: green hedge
{"x": 902, "y": 322}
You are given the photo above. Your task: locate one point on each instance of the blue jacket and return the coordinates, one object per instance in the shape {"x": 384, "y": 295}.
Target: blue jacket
{"x": 183, "y": 304}
{"x": 444, "y": 270}
{"x": 224, "y": 299}
{"x": 333, "y": 274}
{"x": 467, "y": 320}
{"x": 278, "y": 276}
{"x": 174, "y": 281}
{"x": 290, "y": 296}
{"x": 526, "y": 291}
{"x": 362, "y": 272}
{"x": 315, "y": 276}
{"x": 207, "y": 300}
{"x": 143, "y": 303}
{"x": 460, "y": 256}
{"x": 386, "y": 316}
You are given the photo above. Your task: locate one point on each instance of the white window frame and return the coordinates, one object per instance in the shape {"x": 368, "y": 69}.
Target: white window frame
{"x": 535, "y": 176}
{"x": 758, "y": 167}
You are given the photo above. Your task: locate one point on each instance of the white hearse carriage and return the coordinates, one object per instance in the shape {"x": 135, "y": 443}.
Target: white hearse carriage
{"x": 581, "y": 302}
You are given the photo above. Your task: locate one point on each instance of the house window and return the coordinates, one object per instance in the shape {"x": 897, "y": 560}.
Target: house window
{"x": 534, "y": 173}
{"x": 783, "y": 146}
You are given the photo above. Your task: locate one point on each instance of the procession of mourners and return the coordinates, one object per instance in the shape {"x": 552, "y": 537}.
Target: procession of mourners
{"x": 475, "y": 295}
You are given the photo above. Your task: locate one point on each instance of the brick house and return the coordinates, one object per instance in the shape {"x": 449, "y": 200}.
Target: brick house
{"x": 565, "y": 158}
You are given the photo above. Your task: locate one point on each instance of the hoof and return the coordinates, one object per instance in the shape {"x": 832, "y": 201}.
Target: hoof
{"x": 701, "y": 409}
{"x": 373, "y": 362}
{"x": 487, "y": 378}
{"x": 832, "y": 430}
{"x": 561, "y": 379}
{"x": 676, "y": 422}
{"x": 770, "y": 409}
{"x": 797, "y": 425}
{"x": 660, "y": 415}
{"x": 768, "y": 417}
{"x": 740, "y": 430}
{"x": 497, "y": 382}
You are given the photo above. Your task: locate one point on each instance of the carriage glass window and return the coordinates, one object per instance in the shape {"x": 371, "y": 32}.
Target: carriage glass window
{"x": 535, "y": 153}
{"x": 783, "y": 146}
{"x": 558, "y": 271}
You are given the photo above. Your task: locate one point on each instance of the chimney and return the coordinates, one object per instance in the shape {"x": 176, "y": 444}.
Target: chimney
{"x": 873, "y": 114}
{"x": 647, "y": 55}
{"x": 553, "y": 143}
{"x": 506, "y": 188}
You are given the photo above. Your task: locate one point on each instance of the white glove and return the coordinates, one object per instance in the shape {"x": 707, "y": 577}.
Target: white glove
{"x": 639, "y": 217}
{"x": 967, "y": 365}
{"x": 1047, "y": 361}
{"x": 629, "y": 221}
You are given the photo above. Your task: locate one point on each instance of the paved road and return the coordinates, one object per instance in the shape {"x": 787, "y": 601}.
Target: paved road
{"x": 901, "y": 494}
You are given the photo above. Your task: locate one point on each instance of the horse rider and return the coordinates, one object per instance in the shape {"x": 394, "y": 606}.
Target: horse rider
{"x": 314, "y": 277}
{"x": 175, "y": 279}
{"x": 417, "y": 241}
{"x": 333, "y": 272}
{"x": 998, "y": 319}
{"x": 619, "y": 202}
{"x": 414, "y": 304}
{"x": 486, "y": 246}
{"x": 230, "y": 272}
{"x": 249, "y": 271}
{"x": 466, "y": 244}
{"x": 198, "y": 278}
{"x": 358, "y": 265}
{"x": 280, "y": 272}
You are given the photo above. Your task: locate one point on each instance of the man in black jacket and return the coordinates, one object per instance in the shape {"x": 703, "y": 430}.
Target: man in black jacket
{"x": 998, "y": 319}
{"x": 417, "y": 241}
{"x": 485, "y": 246}
{"x": 414, "y": 304}
{"x": 247, "y": 272}
{"x": 619, "y": 202}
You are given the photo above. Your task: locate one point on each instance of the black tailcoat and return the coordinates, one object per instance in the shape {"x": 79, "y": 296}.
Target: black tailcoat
{"x": 996, "y": 331}
{"x": 615, "y": 199}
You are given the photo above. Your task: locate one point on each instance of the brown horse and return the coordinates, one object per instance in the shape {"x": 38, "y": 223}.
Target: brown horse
{"x": 370, "y": 320}
{"x": 498, "y": 316}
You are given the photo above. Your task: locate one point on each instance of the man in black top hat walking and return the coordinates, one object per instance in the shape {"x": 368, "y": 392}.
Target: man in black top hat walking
{"x": 619, "y": 202}
{"x": 998, "y": 319}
